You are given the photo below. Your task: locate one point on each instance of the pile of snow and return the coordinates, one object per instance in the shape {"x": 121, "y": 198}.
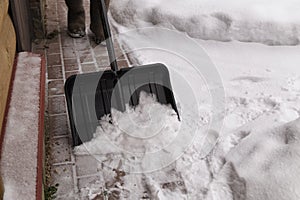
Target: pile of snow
{"x": 146, "y": 128}
{"x": 122, "y": 144}
{"x": 254, "y": 162}
{"x": 147, "y": 137}
{"x": 267, "y": 21}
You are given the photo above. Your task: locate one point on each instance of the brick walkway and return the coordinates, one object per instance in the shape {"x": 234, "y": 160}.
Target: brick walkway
{"x": 66, "y": 56}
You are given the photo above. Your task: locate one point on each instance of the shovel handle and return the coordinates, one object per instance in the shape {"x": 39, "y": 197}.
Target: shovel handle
{"x": 107, "y": 34}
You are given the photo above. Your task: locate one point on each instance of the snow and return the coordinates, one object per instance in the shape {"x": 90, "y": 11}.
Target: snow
{"x": 240, "y": 166}
{"x": 264, "y": 159}
{"x": 270, "y": 165}
{"x": 270, "y": 22}
{"x": 138, "y": 130}
{"x": 19, "y": 153}
{"x": 147, "y": 140}
{"x": 239, "y": 101}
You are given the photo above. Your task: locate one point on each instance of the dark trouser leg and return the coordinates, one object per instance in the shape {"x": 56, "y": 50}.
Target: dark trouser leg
{"x": 76, "y": 15}
{"x": 96, "y": 24}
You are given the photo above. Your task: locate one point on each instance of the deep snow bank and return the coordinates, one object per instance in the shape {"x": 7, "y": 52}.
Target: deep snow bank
{"x": 270, "y": 22}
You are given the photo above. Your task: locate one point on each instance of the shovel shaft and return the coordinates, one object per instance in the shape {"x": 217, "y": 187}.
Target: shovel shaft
{"x": 107, "y": 34}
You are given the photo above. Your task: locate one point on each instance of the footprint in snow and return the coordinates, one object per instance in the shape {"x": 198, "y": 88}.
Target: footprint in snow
{"x": 292, "y": 84}
{"x": 250, "y": 79}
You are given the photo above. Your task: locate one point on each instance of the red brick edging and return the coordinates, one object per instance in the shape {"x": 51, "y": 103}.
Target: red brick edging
{"x": 40, "y": 150}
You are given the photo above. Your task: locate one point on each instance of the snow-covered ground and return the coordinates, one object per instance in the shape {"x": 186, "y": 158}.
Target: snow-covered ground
{"x": 270, "y": 22}
{"x": 239, "y": 94}
{"x": 19, "y": 153}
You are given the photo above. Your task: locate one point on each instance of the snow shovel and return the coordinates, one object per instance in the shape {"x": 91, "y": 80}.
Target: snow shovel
{"x": 91, "y": 96}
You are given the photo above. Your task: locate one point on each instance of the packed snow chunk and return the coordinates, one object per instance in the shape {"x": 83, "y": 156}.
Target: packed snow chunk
{"x": 146, "y": 128}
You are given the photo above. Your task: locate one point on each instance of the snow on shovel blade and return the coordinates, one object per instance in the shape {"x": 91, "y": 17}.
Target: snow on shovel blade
{"x": 93, "y": 95}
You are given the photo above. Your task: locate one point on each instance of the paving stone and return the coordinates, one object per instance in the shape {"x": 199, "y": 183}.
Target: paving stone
{"x": 118, "y": 52}
{"x": 102, "y": 61}
{"x": 125, "y": 48}
{"x": 86, "y": 56}
{"x": 55, "y": 72}
{"x": 60, "y": 150}
{"x": 84, "y": 182}
{"x": 82, "y": 41}
{"x": 121, "y": 57}
{"x": 122, "y": 63}
{"x": 66, "y": 40}
{"x": 51, "y": 16}
{"x": 68, "y": 61}
{"x": 86, "y": 165}
{"x": 55, "y": 87}
{"x": 53, "y": 59}
{"x": 82, "y": 44}
{"x": 71, "y": 67}
{"x": 53, "y": 37}
{"x": 63, "y": 176}
{"x": 63, "y": 22}
{"x": 52, "y": 45}
{"x": 116, "y": 45}
{"x": 100, "y": 51}
{"x": 56, "y": 105}
{"x": 69, "y": 52}
{"x": 68, "y": 74}
{"x": 38, "y": 44}
{"x": 58, "y": 125}
{"x": 39, "y": 51}
{"x": 53, "y": 48}
{"x": 90, "y": 67}
{"x": 51, "y": 28}
{"x": 131, "y": 61}
{"x": 71, "y": 64}
{"x": 104, "y": 68}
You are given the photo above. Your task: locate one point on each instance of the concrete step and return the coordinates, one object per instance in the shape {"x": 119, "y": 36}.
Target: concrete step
{"x": 22, "y": 147}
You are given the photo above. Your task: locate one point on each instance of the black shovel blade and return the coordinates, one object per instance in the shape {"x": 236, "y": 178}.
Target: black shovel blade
{"x": 93, "y": 95}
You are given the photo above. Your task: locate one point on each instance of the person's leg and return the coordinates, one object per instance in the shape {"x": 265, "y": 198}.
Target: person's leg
{"x": 76, "y": 18}
{"x": 96, "y": 24}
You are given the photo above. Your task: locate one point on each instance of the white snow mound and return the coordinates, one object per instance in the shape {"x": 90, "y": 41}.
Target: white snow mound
{"x": 269, "y": 22}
